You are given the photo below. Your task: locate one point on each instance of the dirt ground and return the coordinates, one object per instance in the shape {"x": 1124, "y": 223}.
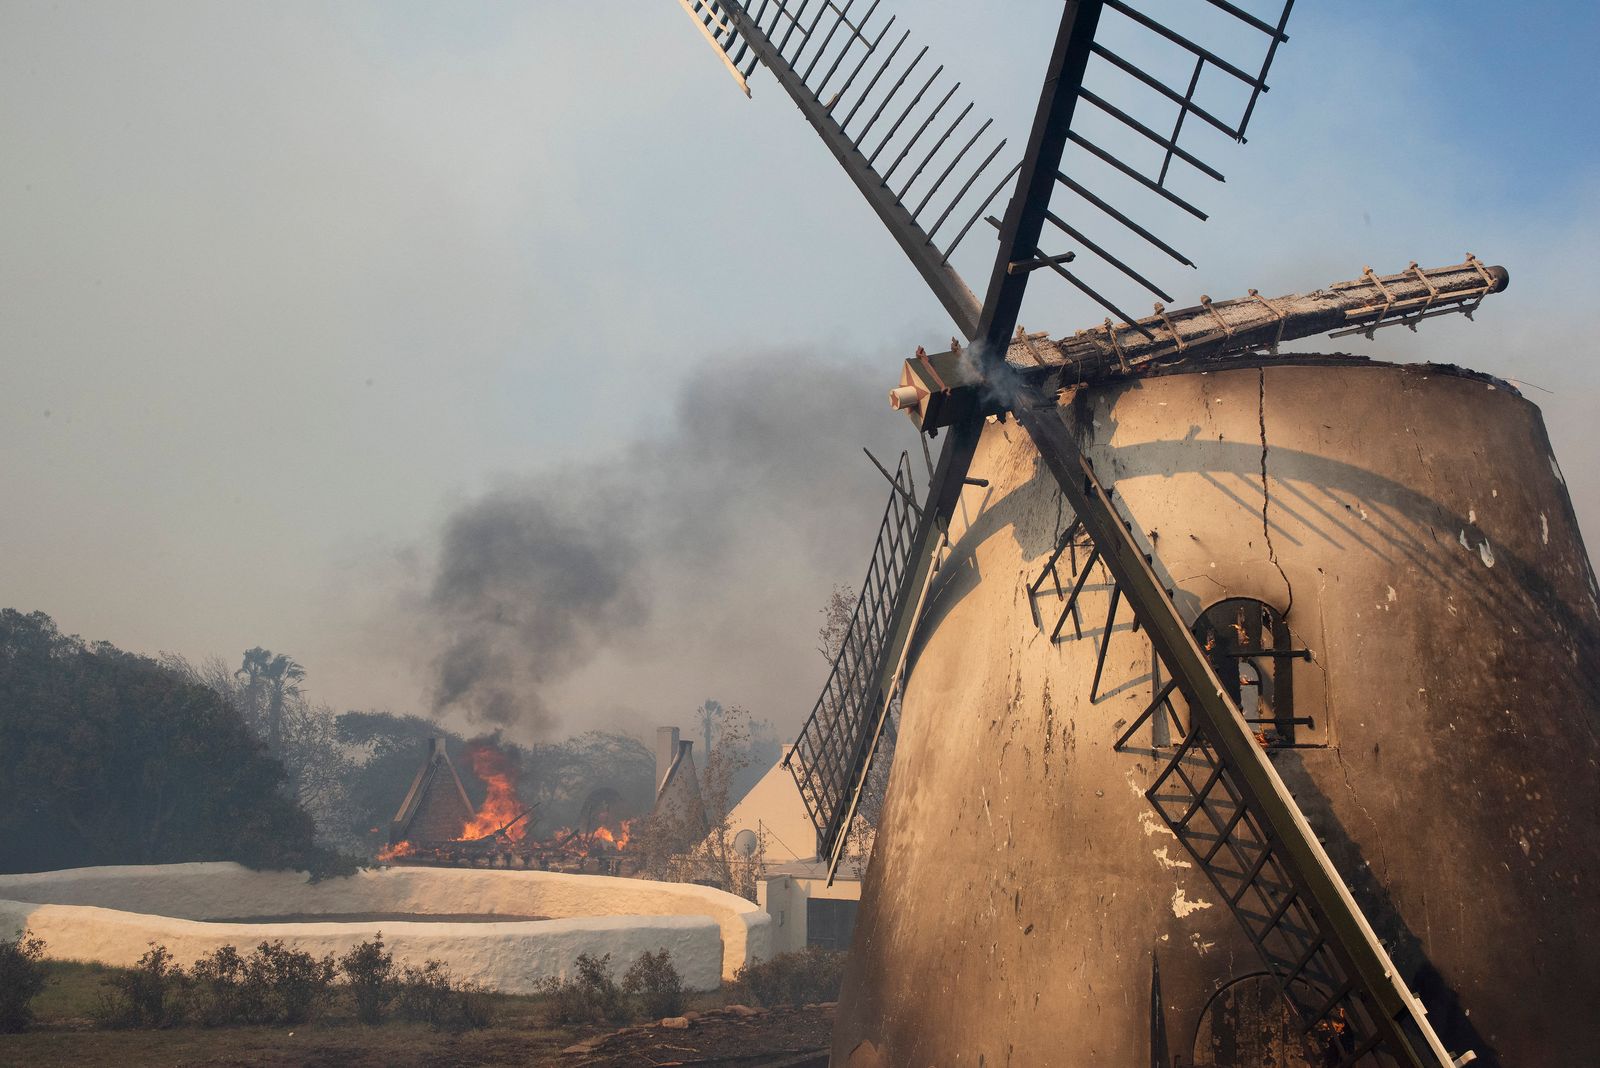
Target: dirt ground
{"x": 717, "y": 1035}
{"x": 796, "y": 1038}
{"x": 377, "y": 917}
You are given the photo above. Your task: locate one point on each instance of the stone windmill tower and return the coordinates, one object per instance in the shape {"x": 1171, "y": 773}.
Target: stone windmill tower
{"x": 1244, "y": 702}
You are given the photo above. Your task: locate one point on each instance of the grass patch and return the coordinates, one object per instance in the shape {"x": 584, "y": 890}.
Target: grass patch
{"x": 71, "y": 993}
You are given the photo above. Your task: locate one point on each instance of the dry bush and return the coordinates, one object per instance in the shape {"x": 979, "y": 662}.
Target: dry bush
{"x": 369, "y": 976}
{"x": 430, "y": 995}
{"x": 150, "y": 994}
{"x": 273, "y": 985}
{"x": 217, "y": 992}
{"x": 591, "y": 996}
{"x": 805, "y": 977}
{"x": 654, "y": 985}
{"x": 22, "y": 977}
{"x": 288, "y": 982}
{"x": 424, "y": 994}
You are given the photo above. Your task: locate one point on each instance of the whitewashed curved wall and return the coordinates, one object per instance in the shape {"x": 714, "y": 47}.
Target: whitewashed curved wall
{"x": 110, "y": 914}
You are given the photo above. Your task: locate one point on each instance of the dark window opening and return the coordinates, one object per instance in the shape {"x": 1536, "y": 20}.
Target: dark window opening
{"x": 1254, "y": 655}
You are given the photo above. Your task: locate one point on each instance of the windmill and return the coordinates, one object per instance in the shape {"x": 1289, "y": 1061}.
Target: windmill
{"x": 1017, "y": 909}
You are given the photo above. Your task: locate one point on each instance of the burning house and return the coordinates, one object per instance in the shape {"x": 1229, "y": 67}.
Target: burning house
{"x": 437, "y": 824}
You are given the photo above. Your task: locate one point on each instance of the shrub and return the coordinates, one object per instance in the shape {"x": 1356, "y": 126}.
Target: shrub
{"x": 429, "y": 995}
{"x": 287, "y": 983}
{"x": 471, "y": 1006}
{"x": 146, "y": 995}
{"x": 591, "y": 996}
{"x": 424, "y": 994}
{"x": 368, "y": 972}
{"x": 274, "y": 984}
{"x": 655, "y": 985}
{"x": 810, "y": 975}
{"x": 218, "y": 992}
{"x": 21, "y": 979}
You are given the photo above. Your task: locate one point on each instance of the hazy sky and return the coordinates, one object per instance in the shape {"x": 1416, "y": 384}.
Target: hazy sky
{"x": 290, "y": 290}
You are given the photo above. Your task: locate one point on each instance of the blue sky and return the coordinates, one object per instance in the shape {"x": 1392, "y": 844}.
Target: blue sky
{"x": 282, "y": 286}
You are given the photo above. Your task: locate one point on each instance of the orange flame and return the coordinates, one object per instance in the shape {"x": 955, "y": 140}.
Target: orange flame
{"x": 398, "y": 849}
{"x": 615, "y": 840}
{"x": 501, "y": 805}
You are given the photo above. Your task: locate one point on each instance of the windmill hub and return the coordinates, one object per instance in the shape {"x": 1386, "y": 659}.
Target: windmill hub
{"x": 906, "y": 397}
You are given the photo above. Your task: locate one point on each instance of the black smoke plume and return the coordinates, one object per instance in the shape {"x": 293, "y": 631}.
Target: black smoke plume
{"x": 522, "y": 595}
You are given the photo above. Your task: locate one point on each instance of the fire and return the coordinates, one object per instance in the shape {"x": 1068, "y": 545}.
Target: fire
{"x": 617, "y": 840}
{"x": 398, "y": 849}
{"x": 500, "y": 827}
{"x": 501, "y": 805}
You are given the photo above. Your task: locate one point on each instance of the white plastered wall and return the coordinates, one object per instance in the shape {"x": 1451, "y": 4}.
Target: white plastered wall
{"x": 785, "y": 898}
{"x": 110, "y": 914}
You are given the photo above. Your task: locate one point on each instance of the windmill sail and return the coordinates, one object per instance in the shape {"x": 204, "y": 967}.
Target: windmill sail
{"x": 925, "y": 163}
{"x": 834, "y": 750}
{"x": 930, "y": 169}
{"x": 1094, "y": 94}
{"x": 848, "y": 68}
{"x": 1105, "y": 97}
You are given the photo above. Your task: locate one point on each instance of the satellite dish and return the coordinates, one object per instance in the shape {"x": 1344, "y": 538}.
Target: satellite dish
{"x": 745, "y": 843}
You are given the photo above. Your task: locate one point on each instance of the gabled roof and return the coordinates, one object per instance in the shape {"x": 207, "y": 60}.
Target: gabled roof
{"x": 679, "y": 793}
{"x": 773, "y": 808}
{"x": 436, "y": 807}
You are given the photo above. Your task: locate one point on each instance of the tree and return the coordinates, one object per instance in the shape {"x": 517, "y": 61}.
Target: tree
{"x": 111, "y": 758}
{"x": 266, "y": 690}
{"x": 271, "y": 683}
{"x": 758, "y": 744}
{"x": 831, "y": 638}
{"x": 836, "y": 614}
{"x": 709, "y": 714}
{"x": 560, "y": 776}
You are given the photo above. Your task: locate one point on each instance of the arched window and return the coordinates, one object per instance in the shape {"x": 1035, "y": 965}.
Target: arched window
{"x": 1254, "y": 655}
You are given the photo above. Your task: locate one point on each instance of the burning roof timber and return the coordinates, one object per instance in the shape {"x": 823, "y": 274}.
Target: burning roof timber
{"x": 436, "y": 824}
{"x": 938, "y": 390}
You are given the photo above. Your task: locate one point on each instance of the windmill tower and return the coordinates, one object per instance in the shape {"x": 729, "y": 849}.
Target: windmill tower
{"x": 1244, "y": 702}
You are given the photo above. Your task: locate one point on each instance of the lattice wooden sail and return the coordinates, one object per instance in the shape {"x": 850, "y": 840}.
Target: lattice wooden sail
{"x": 1313, "y": 932}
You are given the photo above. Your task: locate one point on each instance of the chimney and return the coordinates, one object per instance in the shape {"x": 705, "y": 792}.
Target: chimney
{"x": 666, "y": 753}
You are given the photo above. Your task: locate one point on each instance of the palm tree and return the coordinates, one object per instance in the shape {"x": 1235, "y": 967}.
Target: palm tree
{"x": 270, "y": 682}
{"x": 710, "y": 713}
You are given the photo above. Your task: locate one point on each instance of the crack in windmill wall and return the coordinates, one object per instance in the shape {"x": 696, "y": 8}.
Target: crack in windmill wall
{"x": 1266, "y": 493}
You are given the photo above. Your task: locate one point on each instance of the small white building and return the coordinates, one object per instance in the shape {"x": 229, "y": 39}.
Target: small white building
{"x": 793, "y": 885}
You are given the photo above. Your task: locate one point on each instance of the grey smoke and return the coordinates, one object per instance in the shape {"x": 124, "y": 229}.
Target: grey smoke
{"x": 691, "y": 558}
{"x": 522, "y": 594}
